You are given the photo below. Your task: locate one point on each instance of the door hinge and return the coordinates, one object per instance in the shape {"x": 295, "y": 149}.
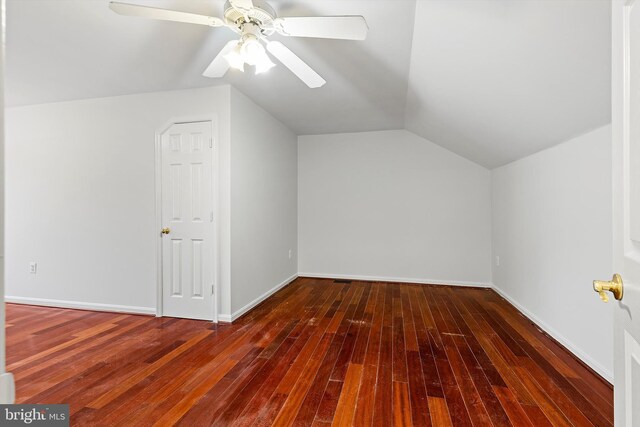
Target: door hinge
{"x": 213, "y": 290}
{"x": 210, "y": 142}
{"x": 211, "y": 217}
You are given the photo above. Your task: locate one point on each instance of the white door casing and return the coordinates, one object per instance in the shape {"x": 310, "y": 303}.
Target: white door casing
{"x": 187, "y": 210}
{"x": 626, "y": 207}
{"x": 7, "y": 385}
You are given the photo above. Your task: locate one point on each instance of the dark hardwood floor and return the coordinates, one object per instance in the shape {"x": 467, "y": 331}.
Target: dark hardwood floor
{"x": 316, "y": 353}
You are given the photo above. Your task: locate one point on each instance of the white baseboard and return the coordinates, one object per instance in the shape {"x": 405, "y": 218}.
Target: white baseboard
{"x": 80, "y": 305}
{"x": 236, "y": 314}
{"x": 395, "y": 280}
{"x": 585, "y": 357}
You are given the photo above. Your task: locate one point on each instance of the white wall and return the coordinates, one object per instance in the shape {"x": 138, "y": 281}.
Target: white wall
{"x": 7, "y": 387}
{"x": 81, "y": 196}
{"x": 552, "y": 232}
{"x": 392, "y": 206}
{"x": 383, "y": 205}
{"x": 263, "y": 203}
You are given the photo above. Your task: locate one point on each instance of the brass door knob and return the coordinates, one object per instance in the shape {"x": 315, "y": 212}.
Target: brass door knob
{"x": 166, "y": 230}
{"x": 615, "y": 286}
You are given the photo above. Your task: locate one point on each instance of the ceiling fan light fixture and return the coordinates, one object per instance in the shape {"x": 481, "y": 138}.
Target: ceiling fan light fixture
{"x": 252, "y": 51}
{"x": 249, "y": 51}
{"x": 264, "y": 65}
{"x": 256, "y": 55}
{"x": 235, "y": 57}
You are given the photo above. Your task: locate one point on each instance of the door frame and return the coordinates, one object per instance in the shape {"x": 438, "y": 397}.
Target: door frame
{"x": 215, "y": 185}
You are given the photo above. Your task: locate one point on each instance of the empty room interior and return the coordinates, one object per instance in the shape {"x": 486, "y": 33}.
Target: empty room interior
{"x": 315, "y": 213}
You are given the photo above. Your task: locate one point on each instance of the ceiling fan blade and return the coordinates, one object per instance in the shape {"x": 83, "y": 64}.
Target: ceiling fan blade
{"x": 296, "y": 65}
{"x": 164, "y": 14}
{"x": 219, "y": 66}
{"x": 325, "y": 27}
{"x": 242, "y": 5}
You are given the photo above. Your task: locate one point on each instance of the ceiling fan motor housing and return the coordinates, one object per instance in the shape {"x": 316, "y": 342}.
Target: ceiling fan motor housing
{"x": 261, "y": 14}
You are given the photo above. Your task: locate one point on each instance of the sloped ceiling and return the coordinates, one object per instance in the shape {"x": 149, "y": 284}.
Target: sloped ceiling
{"x": 492, "y": 80}
{"x": 73, "y": 49}
{"x": 498, "y": 80}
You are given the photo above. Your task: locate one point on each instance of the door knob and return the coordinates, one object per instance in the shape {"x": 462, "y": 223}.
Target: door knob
{"x": 166, "y": 230}
{"x": 615, "y": 286}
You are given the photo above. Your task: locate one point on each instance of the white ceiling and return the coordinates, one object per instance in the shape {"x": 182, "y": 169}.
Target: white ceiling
{"x": 72, "y": 49}
{"x": 498, "y": 80}
{"x": 492, "y": 80}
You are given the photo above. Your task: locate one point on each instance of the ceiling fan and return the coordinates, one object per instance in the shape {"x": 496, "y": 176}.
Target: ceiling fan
{"x": 254, "y": 21}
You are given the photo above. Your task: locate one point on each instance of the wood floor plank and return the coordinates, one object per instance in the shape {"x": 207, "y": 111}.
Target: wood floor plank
{"x": 401, "y": 405}
{"x": 316, "y": 353}
{"x": 485, "y": 390}
{"x": 516, "y": 413}
{"x": 366, "y": 397}
{"x": 297, "y": 394}
{"x": 316, "y": 393}
{"x": 499, "y": 359}
{"x": 329, "y": 403}
{"x": 439, "y": 412}
{"x": 417, "y": 391}
{"x": 544, "y": 402}
{"x": 451, "y": 392}
{"x": 473, "y": 402}
{"x": 345, "y": 409}
{"x": 383, "y": 403}
{"x": 537, "y": 417}
{"x": 567, "y": 407}
{"x": 399, "y": 348}
{"x": 524, "y": 327}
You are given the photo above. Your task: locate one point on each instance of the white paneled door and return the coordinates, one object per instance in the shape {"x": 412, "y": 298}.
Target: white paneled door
{"x": 626, "y": 204}
{"x": 187, "y": 221}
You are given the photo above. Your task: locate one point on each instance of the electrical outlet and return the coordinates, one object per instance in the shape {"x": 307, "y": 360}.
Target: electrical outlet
{"x": 497, "y": 261}
{"x": 33, "y": 267}
{"x": 290, "y": 253}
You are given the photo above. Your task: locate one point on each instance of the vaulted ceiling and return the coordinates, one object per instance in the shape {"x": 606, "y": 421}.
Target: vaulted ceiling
{"x": 495, "y": 81}
{"x": 492, "y": 80}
